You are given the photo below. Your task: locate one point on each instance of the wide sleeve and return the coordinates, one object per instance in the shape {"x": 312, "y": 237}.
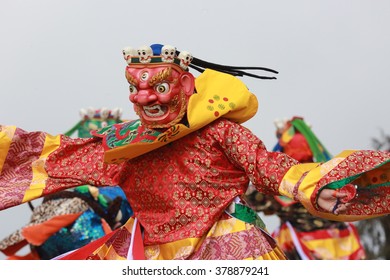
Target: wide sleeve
{"x": 277, "y": 173}
{"x": 264, "y": 169}
{"x": 368, "y": 171}
{"x": 35, "y": 164}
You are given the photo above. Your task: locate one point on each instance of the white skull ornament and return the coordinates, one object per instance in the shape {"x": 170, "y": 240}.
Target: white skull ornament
{"x": 145, "y": 54}
{"x": 168, "y": 53}
{"x": 185, "y": 59}
{"x": 83, "y": 113}
{"x": 104, "y": 113}
{"x": 91, "y": 112}
{"x": 280, "y": 123}
{"x": 116, "y": 113}
{"x": 128, "y": 53}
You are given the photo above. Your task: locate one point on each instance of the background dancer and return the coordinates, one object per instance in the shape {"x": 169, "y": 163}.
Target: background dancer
{"x": 301, "y": 235}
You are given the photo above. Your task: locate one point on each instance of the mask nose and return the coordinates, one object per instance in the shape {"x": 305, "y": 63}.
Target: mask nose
{"x": 145, "y": 97}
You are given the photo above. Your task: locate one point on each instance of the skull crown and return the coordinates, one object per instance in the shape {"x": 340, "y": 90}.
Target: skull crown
{"x": 157, "y": 54}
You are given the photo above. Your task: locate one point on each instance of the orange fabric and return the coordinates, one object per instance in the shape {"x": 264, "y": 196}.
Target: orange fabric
{"x": 39, "y": 233}
{"x": 106, "y": 227}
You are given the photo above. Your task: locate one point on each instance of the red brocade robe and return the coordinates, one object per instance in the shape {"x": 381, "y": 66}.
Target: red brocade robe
{"x": 182, "y": 193}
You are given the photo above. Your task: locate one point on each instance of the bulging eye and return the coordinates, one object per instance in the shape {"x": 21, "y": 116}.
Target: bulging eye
{"x": 144, "y": 76}
{"x": 162, "y": 88}
{"x": 132, "y": 89}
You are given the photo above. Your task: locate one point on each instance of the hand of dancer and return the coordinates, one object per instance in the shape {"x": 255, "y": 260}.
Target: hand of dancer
{"x": 333, "y": 201}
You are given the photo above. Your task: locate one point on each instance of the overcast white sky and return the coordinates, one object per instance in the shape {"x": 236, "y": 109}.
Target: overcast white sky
{"x": 333, "y": 57}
